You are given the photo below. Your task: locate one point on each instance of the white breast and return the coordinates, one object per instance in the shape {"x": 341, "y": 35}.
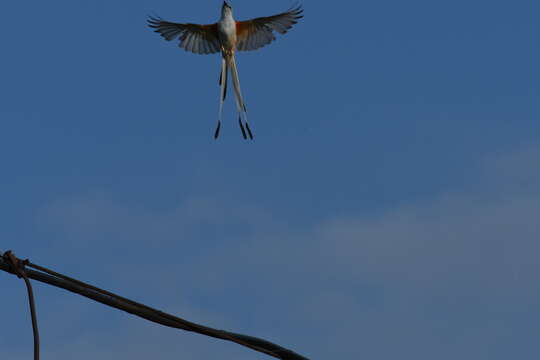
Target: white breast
{"x": 227, "y": 32}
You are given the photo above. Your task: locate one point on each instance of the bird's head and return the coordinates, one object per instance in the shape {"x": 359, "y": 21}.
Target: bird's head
{"x": 227, "y": 8}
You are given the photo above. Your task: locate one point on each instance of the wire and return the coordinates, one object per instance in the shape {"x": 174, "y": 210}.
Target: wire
{"x": 54, "y": 278}
{"x": 18, "y": 268}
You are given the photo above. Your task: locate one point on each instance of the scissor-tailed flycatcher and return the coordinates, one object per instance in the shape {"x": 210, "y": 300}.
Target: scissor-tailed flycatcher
{"x": 227, "y": 36}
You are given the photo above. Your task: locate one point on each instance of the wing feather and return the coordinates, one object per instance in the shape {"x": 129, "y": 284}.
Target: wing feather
{"x": 199, "y": 39}
{"x": 187, "y": 42}
{"x": 256, "y": 33}
{"x": 196, "y": 44}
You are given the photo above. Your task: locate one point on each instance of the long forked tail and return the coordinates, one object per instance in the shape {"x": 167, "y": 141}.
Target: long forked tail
{"x": 223, "y": 93}
{"x": 240, "y": 105}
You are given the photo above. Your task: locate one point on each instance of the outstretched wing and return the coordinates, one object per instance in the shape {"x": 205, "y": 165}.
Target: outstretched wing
{"x": 199, "y": 39}
{"x": 256, "y": 33}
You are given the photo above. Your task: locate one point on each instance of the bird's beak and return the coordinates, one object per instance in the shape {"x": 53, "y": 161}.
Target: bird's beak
{"x": 226, "y": 4}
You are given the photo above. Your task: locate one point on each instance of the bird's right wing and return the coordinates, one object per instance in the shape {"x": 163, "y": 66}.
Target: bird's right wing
{"x": 256, "y": 33}
{"x": 199, "y": 39}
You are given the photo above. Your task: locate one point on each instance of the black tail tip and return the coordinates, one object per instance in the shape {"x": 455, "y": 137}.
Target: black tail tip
{"x": 249, "y": 131}
{"x": 216, "y": 134}
{"x": 242, "y": 127}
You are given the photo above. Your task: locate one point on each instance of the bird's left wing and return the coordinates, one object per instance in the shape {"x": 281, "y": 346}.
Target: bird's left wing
{"x": 256, "y": 33}
{"x": 199, "y": 39}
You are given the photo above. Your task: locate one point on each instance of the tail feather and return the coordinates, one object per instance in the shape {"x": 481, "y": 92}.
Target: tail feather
{"x": 216, "y": 134}
{"x": 241, "y": 106}
{"x": 223, "y": 94}
{"x": 221, "y": 76}
{"x": 249, "y": 131}
{"x": 236, "y": 83}
{"x": 242, "y": 128}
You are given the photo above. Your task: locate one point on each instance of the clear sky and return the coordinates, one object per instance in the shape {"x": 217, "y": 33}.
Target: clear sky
{"x": 388, "y": 207}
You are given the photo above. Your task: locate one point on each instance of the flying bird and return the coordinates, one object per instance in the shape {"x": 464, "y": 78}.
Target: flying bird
{"x": 227, "y": 36}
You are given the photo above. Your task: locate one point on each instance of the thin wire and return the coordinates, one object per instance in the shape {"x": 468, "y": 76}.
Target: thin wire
{"x": 18, "y": 267}
{"x": 34, "y": 317}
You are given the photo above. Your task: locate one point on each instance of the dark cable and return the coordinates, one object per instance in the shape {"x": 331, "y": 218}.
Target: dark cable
{"x": 18, "y": 267}
{"x": 53, "y": 278}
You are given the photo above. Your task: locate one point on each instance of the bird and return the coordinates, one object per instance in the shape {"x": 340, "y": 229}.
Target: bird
{"x": 228, "y": 36}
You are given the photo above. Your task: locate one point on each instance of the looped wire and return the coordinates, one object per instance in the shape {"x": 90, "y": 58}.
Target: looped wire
{"x": 16, "y": 263}
{"x": 17, "y": 266}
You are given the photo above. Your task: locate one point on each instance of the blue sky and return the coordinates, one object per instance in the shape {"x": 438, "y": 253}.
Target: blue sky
{"x": 387, "y": 207}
